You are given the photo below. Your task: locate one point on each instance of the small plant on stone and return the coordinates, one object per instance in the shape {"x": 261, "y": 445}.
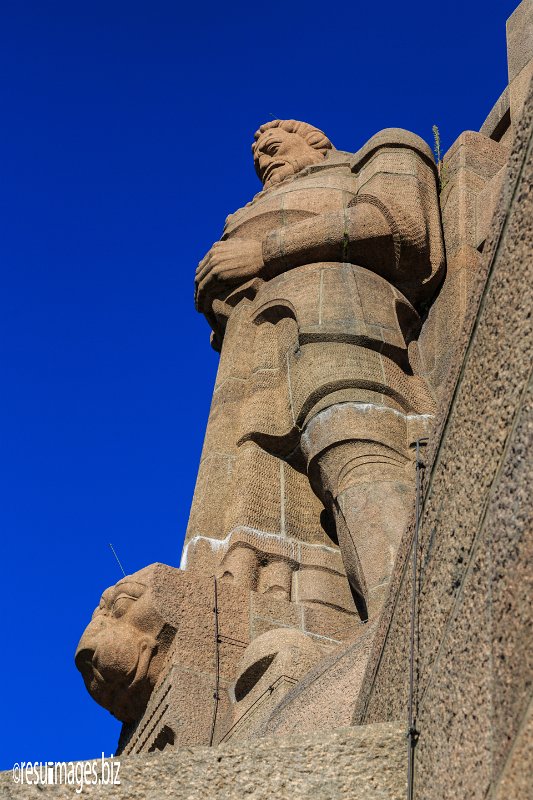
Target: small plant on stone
{"x": 441, "y": 170}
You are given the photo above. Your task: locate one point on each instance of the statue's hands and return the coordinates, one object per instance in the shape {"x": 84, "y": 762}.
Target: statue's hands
{"x": 226, "y": 264}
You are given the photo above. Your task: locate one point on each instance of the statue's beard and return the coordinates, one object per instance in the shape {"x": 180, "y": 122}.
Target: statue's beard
{"x": 278, "y": 171}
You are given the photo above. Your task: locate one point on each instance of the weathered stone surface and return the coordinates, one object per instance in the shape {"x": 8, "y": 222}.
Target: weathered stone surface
{"x": 474, "y": 615}
{"x": 357, "y": 763}
{"x": 519, "y": 39}
{"x": 473, "y": 171}
{"x": 498, "y": 120}
{"x": 456, "y": 704}
{"x": 509, "y": 532}
{"x": 325, "y": 698}
{"x": 516, "y": 779}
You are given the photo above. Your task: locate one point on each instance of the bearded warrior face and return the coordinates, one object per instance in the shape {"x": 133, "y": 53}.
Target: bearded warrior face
{"x": 284, "y": 147}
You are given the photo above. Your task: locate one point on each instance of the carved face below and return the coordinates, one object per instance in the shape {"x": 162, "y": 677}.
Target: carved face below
{"x": 122, "y": 649}
{"x": 280, "y": 154}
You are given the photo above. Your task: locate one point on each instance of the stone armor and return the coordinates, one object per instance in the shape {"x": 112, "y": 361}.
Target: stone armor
{"x": 319, "y": 382}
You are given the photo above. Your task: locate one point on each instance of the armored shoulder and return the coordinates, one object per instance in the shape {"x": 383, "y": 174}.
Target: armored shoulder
{"x": 393, "y": 139}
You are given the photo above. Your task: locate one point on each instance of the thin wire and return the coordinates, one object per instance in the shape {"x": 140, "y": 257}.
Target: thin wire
{"x": 120, "y": 565}
{"x": 248, "y": 711}
{"x": 412, "y": 732}
{"x": 216, "y": 694}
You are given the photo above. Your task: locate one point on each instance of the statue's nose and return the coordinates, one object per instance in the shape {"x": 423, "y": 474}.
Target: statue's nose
{"x": 84, "y": 658}
{"x": 86, "y": 648}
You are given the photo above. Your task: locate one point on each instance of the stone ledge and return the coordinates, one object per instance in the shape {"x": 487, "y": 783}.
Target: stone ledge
{"x": 362, "y": 763}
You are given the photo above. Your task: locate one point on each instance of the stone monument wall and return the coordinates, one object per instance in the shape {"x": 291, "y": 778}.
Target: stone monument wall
{"x": 474, "y": 621}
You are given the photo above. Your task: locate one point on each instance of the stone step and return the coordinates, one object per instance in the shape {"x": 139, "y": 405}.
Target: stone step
{"x": 366, "y": 762}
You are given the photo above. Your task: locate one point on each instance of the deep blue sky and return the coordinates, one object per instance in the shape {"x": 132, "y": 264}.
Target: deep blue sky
{"x": 125, "y": 142}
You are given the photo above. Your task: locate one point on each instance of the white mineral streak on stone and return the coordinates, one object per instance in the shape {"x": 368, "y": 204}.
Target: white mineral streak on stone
{"x": 363, "y": 408}
{"x": 282, "y": 497}
{"x": 214, "y": 544}
{"x": 223, "y": 544}
{"x": 318, "y": 636}
{"x": 392, "y": 554}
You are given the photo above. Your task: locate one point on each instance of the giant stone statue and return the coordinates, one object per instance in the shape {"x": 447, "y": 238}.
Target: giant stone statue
{"x": 315, "y": 294}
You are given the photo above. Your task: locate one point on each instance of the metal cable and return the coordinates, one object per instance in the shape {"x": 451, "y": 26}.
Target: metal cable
{"x": 412, "y": 732}
{"x": 216, "y": 694}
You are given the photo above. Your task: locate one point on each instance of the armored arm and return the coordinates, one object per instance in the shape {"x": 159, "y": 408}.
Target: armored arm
{"x": 392, "y": 225}
{"x": 360, "y": 234}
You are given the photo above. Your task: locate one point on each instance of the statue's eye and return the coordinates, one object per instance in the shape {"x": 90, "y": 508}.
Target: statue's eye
{"x": 121, "y": 605}
{"x": 271, "y": 147}
{"x": 99, "y": 608}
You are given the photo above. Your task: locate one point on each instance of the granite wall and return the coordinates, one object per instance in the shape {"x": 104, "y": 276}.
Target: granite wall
{"x": 474, "y": 618}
